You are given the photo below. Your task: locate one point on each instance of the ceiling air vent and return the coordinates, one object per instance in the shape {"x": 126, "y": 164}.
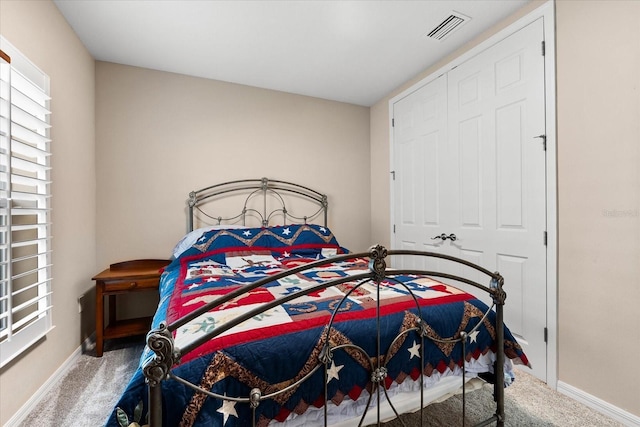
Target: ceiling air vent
{"x": 447, "y": 26}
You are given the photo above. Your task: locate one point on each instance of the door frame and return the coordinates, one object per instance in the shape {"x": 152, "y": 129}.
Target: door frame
{"x": 547, "y": 13}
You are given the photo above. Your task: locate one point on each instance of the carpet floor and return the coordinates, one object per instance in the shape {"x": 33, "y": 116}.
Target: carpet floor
{"x": 88, "y": 392}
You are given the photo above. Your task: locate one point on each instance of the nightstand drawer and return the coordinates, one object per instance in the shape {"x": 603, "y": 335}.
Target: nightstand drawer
{"x": 130, "y": 284}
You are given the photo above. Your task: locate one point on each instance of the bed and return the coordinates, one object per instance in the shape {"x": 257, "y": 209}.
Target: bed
{"x": 279, "y": 325}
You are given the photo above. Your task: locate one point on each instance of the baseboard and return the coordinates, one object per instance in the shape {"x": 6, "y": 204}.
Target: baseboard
{"x": 599, "y": 405}
{"x": 22, "y": 414}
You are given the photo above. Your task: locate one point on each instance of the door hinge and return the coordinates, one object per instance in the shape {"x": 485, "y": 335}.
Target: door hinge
{"x": 544, "y": 141}
{"x": 393, "y": 122}
{"x": 543, "y": 48}
{"x": 545, "y": 238}
{"x": 393, "y": 175}
{"x": 394, "y": 229}
{"x": 546, "y": 335}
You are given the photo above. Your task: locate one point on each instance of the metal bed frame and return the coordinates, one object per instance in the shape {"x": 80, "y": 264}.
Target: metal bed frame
{"x": 260, "y": 189}
{"x": 167, "y": 354}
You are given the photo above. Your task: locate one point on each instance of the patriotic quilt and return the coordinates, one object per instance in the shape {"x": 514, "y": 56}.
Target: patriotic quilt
{"x": 274, "y": 349}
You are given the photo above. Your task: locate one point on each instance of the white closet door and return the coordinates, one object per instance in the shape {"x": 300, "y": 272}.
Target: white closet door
{"x": 480, "y": 174}
{"x": 420, "y": 155}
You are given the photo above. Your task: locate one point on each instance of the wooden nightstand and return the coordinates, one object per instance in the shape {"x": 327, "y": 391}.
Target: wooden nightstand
{"x": 122, "y": 278}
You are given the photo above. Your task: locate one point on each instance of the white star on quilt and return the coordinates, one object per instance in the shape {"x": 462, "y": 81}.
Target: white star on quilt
{"x": 247, "y": 233}
{"x": 414, "y": 350}
{"x": 286, "y": 231}
{"x": 228, "y": 408}
{"x": 474, "y": 336}
{"x": 202, "y": 239}
{"x": 212, "y": 279}
{"x": 193, "y": 286}
{"x": 324, "y": 230}
{"x": 332, "y": 372}
{"x": 286, "y": 254}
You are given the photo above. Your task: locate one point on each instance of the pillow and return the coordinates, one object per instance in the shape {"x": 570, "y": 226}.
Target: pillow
{"x": 214, "y": 243}
{"x": 192, "y": 237}
{"x": 302, "y": 239}
{"x": 296, "y": 239}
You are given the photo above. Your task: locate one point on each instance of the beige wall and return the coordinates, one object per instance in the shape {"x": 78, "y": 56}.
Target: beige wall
{"x": 40, "y": 32}
{"x": 598, "y": 122}
{"x": 598, "y": 78}
{"x": 161, "y": 135}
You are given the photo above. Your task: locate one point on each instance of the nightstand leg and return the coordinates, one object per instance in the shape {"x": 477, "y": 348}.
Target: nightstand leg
{"x": 99, "y": 318}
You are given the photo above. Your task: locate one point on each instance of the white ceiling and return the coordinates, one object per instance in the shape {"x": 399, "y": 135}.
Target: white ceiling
{"x": 349, "y": 51}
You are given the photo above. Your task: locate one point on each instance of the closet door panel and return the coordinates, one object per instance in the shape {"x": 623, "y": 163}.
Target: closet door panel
{"x": 420, "y": 153}
{"x": 496, "y": 111}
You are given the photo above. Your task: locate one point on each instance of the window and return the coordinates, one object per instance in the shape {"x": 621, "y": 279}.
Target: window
{"x": 25, "y": 190}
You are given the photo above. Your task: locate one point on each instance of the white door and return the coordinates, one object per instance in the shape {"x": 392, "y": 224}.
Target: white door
{"x": 485, "y": 181}
{"x": 420, "y": 156}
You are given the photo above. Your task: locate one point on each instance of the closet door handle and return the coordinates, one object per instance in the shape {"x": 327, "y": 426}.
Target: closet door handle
{"x": 444, "y": 237}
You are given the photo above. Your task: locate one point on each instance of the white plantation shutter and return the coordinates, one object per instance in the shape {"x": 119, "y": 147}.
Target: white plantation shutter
{"x": 25, "y": 191}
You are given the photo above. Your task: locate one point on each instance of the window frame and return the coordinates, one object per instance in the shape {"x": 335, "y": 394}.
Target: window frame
{"x": 25, "y": 204}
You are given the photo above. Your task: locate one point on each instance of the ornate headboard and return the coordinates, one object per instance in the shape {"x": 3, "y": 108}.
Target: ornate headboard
{"x": 263, "y": 199}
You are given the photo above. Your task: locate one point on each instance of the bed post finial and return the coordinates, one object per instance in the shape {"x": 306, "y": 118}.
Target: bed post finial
{"x": 192, "y": 199}
{"x": 157, "y": 368}
{"x": 377, "y": 264}
{"x": 325, "y": 208}
{"x": 160, "y": 342}
{"x": 191, "y": 203}
{"x": 499, "y": 295}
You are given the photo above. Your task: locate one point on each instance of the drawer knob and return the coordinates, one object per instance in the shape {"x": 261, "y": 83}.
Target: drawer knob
{"x": 133, "y": 285}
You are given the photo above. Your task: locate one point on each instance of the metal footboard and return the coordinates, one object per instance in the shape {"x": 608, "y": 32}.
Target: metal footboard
{"x": 159, "y": 368}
